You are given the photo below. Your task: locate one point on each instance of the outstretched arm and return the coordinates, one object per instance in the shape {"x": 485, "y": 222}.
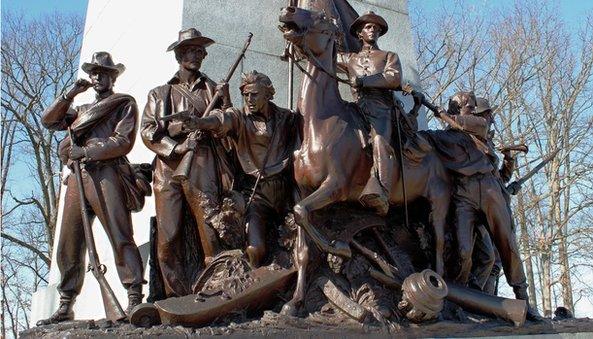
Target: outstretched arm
{"x": 219, "y": 122}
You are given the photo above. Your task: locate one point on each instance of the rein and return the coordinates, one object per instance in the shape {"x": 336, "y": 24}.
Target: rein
{"x": 317, "y": 64}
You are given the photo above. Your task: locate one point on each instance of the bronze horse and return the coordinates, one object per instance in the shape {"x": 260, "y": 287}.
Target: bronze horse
{"x": 332, "y": 165}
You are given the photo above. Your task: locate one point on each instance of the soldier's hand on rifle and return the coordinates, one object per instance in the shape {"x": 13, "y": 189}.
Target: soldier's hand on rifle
{"x": 514, "y": 188}
{"x": 356, "y": 82}
{"x": 222, "y": 89}
{"x": 192, "y": 123}
{"x": 76, "y": 152}
{"x": 440, "y": 111}
{"x": 182, "y": 148}
{"x": 418, "y": 97}
{"x": 507, "y": 154}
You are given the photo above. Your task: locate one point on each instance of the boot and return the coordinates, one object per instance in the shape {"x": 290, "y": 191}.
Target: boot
{"x": 134, "y": 297}
{"x": 374, "y": 196}
{"x": 521, "y": 294}
{"x": 63, "y": 313}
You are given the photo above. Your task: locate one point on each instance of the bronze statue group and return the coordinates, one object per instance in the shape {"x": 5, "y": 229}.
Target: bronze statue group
{"x": 281, "y": 161}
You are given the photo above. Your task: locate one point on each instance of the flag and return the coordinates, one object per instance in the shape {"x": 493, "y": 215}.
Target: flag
{"x": 344, "y": 15}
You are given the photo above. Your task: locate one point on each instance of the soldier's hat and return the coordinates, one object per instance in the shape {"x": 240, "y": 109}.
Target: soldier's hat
{"x": 366, "y": 18}
{"x": 190, "y": 36}
{"x": 483, "y": 105}
{"x": 103, "y": 61}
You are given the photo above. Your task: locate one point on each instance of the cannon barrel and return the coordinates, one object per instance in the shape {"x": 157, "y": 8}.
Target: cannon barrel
{"x": 512, "y": 310}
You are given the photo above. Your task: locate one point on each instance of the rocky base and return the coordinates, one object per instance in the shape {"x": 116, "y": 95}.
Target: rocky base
{"x": 316, "y": 325}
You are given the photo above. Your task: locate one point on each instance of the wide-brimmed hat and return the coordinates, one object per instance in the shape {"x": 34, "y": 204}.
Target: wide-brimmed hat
{"x": 190, "y": 36}
{"x": 103, "y": 61}
{"x": 483, "y": 105}
{"x": 369, "y": 17}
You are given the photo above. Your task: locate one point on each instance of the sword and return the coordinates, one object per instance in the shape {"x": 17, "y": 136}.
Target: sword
{"x": 514, "y": 187}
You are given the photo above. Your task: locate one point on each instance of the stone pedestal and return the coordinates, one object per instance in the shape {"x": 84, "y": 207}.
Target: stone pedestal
{"x": 137, "y": 33}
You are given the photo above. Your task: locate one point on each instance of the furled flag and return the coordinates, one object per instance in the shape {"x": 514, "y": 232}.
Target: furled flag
{"x": 344, "y": 15}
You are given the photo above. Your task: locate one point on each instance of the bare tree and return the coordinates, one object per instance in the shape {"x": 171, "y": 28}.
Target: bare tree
{"x": 524, "y": 59}
{"x": 39, "y": 61}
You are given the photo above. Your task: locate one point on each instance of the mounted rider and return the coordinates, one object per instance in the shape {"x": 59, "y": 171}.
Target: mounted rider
{"x": 374, "y": 74}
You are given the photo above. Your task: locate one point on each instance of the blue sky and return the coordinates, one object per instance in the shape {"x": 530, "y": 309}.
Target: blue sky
{"x": 572, "y": 11}
{"x": 35, "y": 8}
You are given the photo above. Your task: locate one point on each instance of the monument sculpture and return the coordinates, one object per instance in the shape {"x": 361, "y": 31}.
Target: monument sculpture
{"x": 100, "y": 135}
{"x": 264, "y": 136}
{"x": 188, "y": 90}
{"x": 375, "y": 196}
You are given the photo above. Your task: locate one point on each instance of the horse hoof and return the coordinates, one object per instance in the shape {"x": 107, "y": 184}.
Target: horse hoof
{"x": 341, "y": 249}
{"x": 289, "y": 310}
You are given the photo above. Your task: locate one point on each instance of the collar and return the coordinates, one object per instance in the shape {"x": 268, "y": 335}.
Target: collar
{"x": 101, "y": 96}
{"x": 175, "y": 80}
{"x": 369, "y": 48}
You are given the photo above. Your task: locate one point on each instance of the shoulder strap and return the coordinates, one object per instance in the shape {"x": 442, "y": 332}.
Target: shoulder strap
{"x": 187, "y": 95}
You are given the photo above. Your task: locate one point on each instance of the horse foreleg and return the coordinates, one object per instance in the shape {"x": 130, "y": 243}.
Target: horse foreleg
{"x": 326, "y": 194}
{"x": 439, "y": 203}
{"x": 301, "y": 260}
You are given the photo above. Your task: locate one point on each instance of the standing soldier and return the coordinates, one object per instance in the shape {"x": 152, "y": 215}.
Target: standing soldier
{"x": 264, "y": 137}
{"x": 486, "y": 266}
{"x": 478, "y": 190}
{"x": 189, "y": 90}
{"x": 374, "y": 75}
{"x": 104, "y": 133}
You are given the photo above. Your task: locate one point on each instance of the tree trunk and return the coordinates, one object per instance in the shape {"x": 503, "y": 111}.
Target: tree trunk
{"x": 546, "y": 283}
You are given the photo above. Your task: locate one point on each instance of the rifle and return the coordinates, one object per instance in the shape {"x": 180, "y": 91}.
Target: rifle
{"x": 518, "y": 148}
{"x": 183, "y": 115}
{"x": 407, "y": 89}
{"x": 513, "y": 187}
{"x": 183, "y": 169}
{"x": 113, "y": 310}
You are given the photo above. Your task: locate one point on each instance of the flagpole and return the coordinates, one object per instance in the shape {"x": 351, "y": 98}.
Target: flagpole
{"x": 290, "y": 88}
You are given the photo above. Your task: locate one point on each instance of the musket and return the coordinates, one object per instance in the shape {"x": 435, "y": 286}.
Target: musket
{"x": 113, "y": 310}
{"x": 287, "y": 52}
{"x": 407, "y": 89}
{"x": 402, "y": 168}
{"x": 183, "y": 169}
{"x": 517, "y": 148}
{"x": 183, "y": 115}
{"x": 534, "y": 170}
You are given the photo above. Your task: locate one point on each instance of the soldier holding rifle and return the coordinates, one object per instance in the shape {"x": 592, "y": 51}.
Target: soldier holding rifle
{"x": 104, "y": 132}
{"x": 188, "y": 91}
{"x": 478, "y": 189}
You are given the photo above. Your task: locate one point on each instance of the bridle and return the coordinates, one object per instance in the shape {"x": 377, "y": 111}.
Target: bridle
{"x": 314, "y": 59}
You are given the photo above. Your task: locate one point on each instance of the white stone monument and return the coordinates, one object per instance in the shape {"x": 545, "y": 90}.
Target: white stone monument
{"x": 137, "y": 33}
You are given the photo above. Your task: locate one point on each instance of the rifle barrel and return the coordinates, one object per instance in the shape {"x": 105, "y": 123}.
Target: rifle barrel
{"x": 113, "y": 309}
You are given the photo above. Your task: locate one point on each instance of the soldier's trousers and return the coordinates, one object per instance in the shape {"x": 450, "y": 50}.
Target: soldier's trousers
{"x": 105, "y": 199}
{"x": 171, "y": 201}
{"x": 381, "y": 121}
{"x": 482, "y": 193}
{"x": 269, "y": 202}
{"x": 483, "y": 258}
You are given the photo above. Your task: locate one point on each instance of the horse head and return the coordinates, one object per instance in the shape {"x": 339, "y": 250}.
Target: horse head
{"x": 310, "y": 32}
